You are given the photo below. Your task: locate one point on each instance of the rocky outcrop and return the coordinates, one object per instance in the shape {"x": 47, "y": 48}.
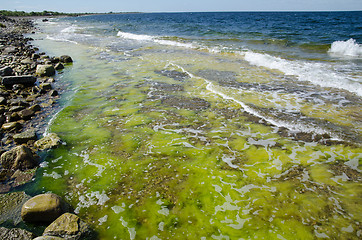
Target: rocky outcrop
{"x": 69, "y": 226}
{"x": 50, "y": 141}
{"x": 43, "y": 208}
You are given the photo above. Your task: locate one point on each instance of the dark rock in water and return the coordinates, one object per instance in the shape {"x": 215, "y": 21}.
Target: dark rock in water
{"x": 50, "y": 141}
{"x": 53, "y": 93}
{"x": 10, "y": 206}
{"x": 6, "y": 71}
{"x": 45, "y": 86}
{"x": 15, "y": 234}
{"x": 70, "y": 226}
{"x": 178, "y": 76}
{"x": 66, "y": 59}
{"x": 19, "y": 157}
{"x": 3, "y": 101}
{"x": 35, "y": 108}
{"x": 59, "y": 66}
{"x": 44, "y": 208}
{"x": 187, "y": 103}
{"x": 24, "y": 137}
{"x": 45, "y": 70}
{"x": 11, "y": 80}
{"x": 16, "y": 108}
{"x": 26, "y": 114}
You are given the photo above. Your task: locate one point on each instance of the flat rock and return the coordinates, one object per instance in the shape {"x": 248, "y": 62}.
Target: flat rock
{"x": 43, "y": 208}
{"x": 45, "y": 70}
{"x": 24, "y": 137}
{"x": 26, "y": 114}
{"x": 11, "y": 126}
{"x": 25, "y": 79}
{"x": 15, "y": 234}
{"x": 69, "y": 226}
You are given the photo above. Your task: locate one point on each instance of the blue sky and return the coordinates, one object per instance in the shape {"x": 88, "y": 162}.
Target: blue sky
{"x": 179, "y": 5}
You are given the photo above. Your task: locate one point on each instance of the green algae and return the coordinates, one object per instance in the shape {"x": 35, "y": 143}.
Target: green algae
{"x": 138, "y": 167}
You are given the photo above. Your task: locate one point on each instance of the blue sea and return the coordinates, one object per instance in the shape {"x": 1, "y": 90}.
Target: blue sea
{"x": 225, "y": 125}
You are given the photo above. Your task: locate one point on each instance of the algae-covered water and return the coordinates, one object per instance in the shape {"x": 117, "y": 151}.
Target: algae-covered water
{"x": 176, "y": 137}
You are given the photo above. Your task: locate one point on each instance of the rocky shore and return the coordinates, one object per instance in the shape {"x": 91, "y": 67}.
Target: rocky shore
{"x": 27, "y": 96}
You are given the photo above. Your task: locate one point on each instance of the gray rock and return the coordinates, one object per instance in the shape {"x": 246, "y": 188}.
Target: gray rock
{"x": 11, "y": 80}
{"x": 43, "y": 208}
{"x": 70, "y": 226}
{"x": 10, "y": 50}
{"x": 66, "y": 59}
{"x": 50, "y": 141}
{"x": 45, "y": 70}
{"x": 15, "y": 234}
{"x": 24, "y": 137}
{"x": 6, "y": 71}
{"x": 27, "y": 61}
{"x": 19, "y": 157}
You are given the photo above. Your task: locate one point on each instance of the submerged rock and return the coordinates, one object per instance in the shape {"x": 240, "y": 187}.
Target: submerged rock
{"x": 50, "y": 141}
{"x": 15, "y": 234}
{"x": 43, "y": 208}
{"x": 69, "y": 226}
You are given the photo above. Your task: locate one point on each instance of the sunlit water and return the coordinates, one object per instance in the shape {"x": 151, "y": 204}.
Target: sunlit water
{"x": 174, "y": 132}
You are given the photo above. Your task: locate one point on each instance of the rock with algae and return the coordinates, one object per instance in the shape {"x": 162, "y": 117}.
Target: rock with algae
{"x": 50, "y": 141}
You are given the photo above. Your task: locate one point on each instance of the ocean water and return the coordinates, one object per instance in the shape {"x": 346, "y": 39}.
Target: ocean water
{"x": 209, "y": 125}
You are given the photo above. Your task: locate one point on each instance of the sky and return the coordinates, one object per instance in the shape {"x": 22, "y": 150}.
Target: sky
{"x": 98, "y": 6}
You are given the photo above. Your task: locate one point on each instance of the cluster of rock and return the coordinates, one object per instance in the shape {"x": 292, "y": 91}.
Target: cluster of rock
{"x": 51, "y": 210}
{"x": 26, "y": 91}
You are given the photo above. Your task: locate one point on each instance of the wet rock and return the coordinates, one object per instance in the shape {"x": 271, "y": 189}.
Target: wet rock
{"x": 59, "y": 66}
{"x": 35, "y": 108}
{"x": 16, "y": 108}
{"x": 11, "y": 80}
{"x": 53, "y": 93}
{"x": 3, "y": 101}
{"x": 19, "y": 157}
{"x": 66, "y": 59}
{"x": 6, "y": 71}
{"x": 43, "y": 208}
{"x": 10, "y": 206}
{"x": 26, "y": 114}
{"x": 48, "y": 238}
{"x": 178, "y": 76}
{"x": 187, "y": 103}
{"x": 11, "y": 126}
{"x": 45, "y": 70}
{"x": 69, "y": 226}
{"x": 45, "y": 86}
{"x": 24, "y": 137}
{"x": 15, "y": 234}
{"x": 27, "y": 61}
{"x": 50, "y": 141}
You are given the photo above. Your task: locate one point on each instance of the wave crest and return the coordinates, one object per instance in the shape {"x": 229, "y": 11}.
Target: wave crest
{"x": 346, "y": 48}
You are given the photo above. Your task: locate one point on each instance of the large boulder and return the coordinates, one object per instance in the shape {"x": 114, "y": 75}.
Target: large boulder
{"x": 66, "y": 59}
{"x": 45, "y": 70}
{"x": 18, "y": 158}
{"x": 43, "y": 208}
{"x": 24, "y": 137}
{"x": 50, "y": 141}
{"x": 27, "y": 80}
{"x": 69, "y": 226}
{"x": 15, "y": 234}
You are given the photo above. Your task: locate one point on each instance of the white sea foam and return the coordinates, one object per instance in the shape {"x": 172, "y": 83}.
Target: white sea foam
{"x": 346, "y": 48}
{"x": 141, "y": 37}
{"x": 317, "y": 73}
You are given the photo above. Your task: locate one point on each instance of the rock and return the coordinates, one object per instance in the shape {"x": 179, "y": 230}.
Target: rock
{"x": 35, "y": 108}
{"x": 15, "y": 234}
{"x": 16, "y": 108}
{"x": 10, "y": 206}
{"x": 45, "y": 86}
{"x": 24, "y": 137}
{"x": 19, "y": 157}
{"x": 69, "y": 226}
{"x": 66, "y": 59}
{"x": 45, "y": 70}
{"x": 43, "y": 208}
{"x": 59, "y": 66}
{"x": 10, "y": 50}
{"x": 26, "y": 114}
{"x": 11, "y": 126}
{"x": 11, "y": 80}
{"x": 48, "y": 238}
{"x": 50, "y": 141}
{"x": 6, "y": 71}
{"x": 3, "y": 101}
{"x": 27, "y": 61}
{"x": 52, "y": 93}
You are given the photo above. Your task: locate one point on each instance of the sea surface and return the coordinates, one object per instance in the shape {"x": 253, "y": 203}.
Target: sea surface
{"x": 209, "y": 125}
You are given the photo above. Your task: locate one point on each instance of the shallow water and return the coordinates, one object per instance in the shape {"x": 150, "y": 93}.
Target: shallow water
{"x": 165, "y": 140}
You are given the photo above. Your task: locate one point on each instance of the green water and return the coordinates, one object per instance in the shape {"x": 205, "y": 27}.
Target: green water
{"x": 155, "y": 152}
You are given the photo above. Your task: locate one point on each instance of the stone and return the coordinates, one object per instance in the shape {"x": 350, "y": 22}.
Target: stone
{"x": 16, "y": 108}
{"x": 26, "y": 114}
{"x": 6, "y": 71}
{"x": 45, "y": 86}
{"x": 69, "y": 226}
{"x": 66, "y": 59}
{"x": 59, "y": 66}
{"x": 3, "y": 101}
{"x": 35, "y": 108}
{"x": 52, "y": 140}
{"x": 43, "y": 208}
{"x": 25, "y": 79}
{"x": 45, "y": 70}
{"x": 11, "y": 126}
{"x": 10, "y": 50}
{"x": 52, "y": 93}
{"x": 19, "y": 157}
{"x": 27, "y": 61}
{"x": 15, "y": 234}
{"x": 24, "y": 137}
